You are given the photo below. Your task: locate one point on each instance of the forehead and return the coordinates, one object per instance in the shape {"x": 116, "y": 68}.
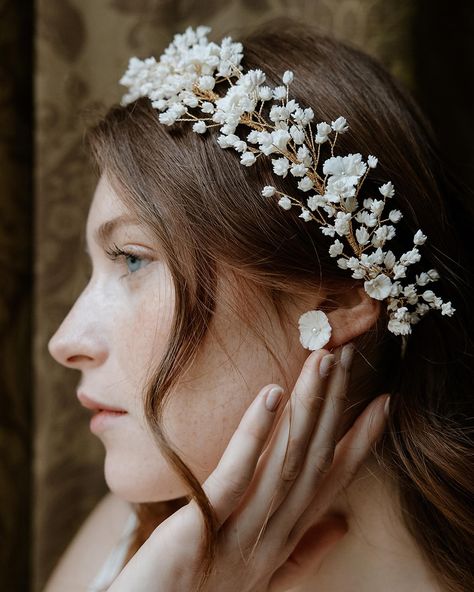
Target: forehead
{"x": 108, "y": 213}
{"x": 105, "y": 204}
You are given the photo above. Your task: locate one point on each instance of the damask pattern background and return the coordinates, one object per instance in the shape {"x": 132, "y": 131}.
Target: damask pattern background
{"x": 60, "y": 61}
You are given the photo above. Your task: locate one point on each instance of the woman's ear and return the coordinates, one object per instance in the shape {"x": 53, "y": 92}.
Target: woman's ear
{"x": 356, "y": 313}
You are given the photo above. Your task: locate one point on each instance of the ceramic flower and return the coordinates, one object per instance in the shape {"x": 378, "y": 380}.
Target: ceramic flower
{"x": 315, "y": 330}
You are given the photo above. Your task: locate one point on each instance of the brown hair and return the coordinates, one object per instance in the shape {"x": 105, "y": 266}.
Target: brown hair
{"x": 207, "y": 213}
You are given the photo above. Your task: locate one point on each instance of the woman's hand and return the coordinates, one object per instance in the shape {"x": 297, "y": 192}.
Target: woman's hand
{"x": 264, "y": 499}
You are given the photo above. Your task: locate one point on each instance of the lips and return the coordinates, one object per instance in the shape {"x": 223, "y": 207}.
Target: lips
{"x": 97, "y": 405}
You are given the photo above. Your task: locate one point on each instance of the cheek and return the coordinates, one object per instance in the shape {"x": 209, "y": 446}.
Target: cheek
{"x": 200, "y": 424}
{"x": 141, "y": 335}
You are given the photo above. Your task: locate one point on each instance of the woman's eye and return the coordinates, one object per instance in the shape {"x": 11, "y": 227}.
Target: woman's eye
{"x": 133, "y": 261}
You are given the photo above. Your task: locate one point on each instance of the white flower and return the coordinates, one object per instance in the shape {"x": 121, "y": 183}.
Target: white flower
{"x": 399, "y": 327}
{"x": 199, "y": 127}
{"x": 315, "y": 330}
{"x": 336, "y": 248}
{"x": 348, "y": 168}
{"x": 305, "y": 214}
{"x": 395, "y": 216}
{"x": 240, "y": 146}
{"x": 372, "y": 161}
{"x": 288, "y": 77}
{"x": 305, "y": 184}
{"x": 422, "y": 279}
{"x": 387, "y": 189}
{"x": 297, "y": 134}
{"x": 433, "y": 274}
{"x": 362, "y": 235}
{"x": 399, "y": 271}
{"x": 207, "y": 107}
{"x": 285, "y": 202}
{"x": 323, "y": 128}
{"x": 304, "y": 155}
{"x": 298, "y": 170}
{"x": 410, "y": 257}
{"x": 389, "y": 260}
{"x": 428, "y": 296}
{"x": 268, "y": 191}
{"x": 315, "y": 201}
{"x": 247, "y": 158}
{"x": 280, "y": 166}
{"x": 366, "y": 218}
{"x": 328, "y": 230}
{"x": 206, "y": 82}
{"x": 342, "y": 263}
{"x": 320, "y": 139}
{"x": 419, "y": 238}
{"x": 447, "y": 309}
{"x": 382, "y": 234}
{"x": 379, "y": 287}
{"x": 279, "y": 92}
{"x": 265, "y": 93}
{"x": 341, "y": 223}
{"x": 340, "y": 125}
{"x": 280, "y": 138}
{"x": 377, "y": 206}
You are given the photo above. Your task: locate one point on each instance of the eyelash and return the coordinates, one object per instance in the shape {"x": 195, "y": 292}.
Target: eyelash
{"x": 116, "y": 252}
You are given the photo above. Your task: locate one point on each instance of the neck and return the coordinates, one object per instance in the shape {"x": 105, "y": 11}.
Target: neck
{"x": 375, "y": 550}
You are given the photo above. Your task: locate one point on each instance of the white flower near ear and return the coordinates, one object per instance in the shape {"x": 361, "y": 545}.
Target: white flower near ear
{"x": 315, "y": 330}
{"x": 379, "y": 287}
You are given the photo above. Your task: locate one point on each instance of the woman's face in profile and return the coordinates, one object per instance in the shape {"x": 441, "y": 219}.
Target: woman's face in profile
{"x": 116, "y": 333}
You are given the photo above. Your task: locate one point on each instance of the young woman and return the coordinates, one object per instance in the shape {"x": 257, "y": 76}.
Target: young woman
{"x": 190, "y": 319}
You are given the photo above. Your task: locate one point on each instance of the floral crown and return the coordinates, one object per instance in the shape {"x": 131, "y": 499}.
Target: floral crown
{"x": 186, "y": 77}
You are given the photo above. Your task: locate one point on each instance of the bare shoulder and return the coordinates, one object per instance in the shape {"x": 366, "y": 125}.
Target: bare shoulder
{"x": 89, "y": 548}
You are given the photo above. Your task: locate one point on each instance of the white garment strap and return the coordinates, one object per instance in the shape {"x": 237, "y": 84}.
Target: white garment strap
{"x": 115, "y": 559}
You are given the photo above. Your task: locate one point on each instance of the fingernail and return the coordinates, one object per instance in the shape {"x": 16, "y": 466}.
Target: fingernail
{"x": 386, "y": 408}
{"x": 325, "y": 365}
{"x": 346, "y": 355}
{"x": 273, "y": 398}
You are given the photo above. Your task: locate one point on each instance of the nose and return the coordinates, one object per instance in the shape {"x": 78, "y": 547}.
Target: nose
{"x": 79, "y": 342}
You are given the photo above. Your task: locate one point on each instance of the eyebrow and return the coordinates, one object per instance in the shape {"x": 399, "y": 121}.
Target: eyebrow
{"x": 106, "y": 229}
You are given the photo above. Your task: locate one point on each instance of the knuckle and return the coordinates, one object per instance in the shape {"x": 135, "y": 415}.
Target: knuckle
{"x": 321, "y": 461}
{"x": 232, "y": 487}
{"x": 293, "y": 461}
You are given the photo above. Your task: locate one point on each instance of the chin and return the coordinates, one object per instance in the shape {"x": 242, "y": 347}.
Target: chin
{"x": 136, "y": 481}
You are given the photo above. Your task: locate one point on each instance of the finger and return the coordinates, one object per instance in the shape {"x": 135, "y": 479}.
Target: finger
{"x": 320, "y": 452}
{"x": 281, "y": 461}
{"x": 351, "y": 452}
{"x": 228, "y": 482}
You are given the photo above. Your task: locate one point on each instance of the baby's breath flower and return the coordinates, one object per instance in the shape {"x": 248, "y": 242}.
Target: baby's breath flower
{"x": 387, "y": 189}
{"x": 288, "y": 77}
{"x": 247, "y": 158}
{"x": 268, "y": 191}
{"x": 199, "y": 127}
{"x": 372, "y": 161}
{"x": 340, "y": 125}
{"x": 285, "y": 202}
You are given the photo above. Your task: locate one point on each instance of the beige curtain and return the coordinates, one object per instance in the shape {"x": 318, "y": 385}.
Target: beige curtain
{"x": 82, "y": 48}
